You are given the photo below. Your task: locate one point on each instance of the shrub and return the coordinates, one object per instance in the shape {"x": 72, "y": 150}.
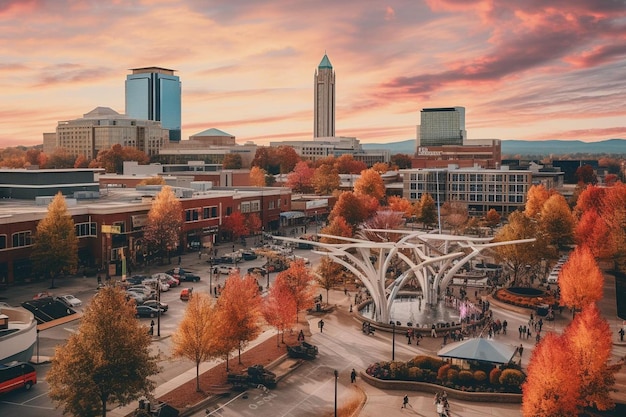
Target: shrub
{"x": 426, "y": 362}
{"x": 442, "y": 373}
{"x": 398, "y": 370}
{"x": 453, "y": 375}
{"x": 480, "y": 376}
{"x": 494, "y": 376}
{"x": 512, "y": 378}
{"x": 413, "y": 372}
{"x": 465, "y": 377}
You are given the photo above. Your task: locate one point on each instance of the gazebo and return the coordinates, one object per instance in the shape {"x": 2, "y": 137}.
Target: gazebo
{"x": 479, "y": 349}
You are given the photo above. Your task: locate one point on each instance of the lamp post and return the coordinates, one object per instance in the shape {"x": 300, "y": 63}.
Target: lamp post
{"x": 336, "y": 376}
{"x": 268, "y": 277}
{"x": 393, "y": 340}
{"x": 210, "y": 276}
{"x": 158, "y": 284}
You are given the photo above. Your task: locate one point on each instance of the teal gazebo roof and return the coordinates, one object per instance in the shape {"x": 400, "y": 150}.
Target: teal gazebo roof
{"x": 325, "y": 63}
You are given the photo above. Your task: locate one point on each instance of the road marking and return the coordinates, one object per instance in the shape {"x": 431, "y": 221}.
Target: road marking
{"x": 26, "y": 405}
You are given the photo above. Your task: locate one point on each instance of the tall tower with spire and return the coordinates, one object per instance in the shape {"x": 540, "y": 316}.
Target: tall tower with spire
{"x": 324, "y": 96}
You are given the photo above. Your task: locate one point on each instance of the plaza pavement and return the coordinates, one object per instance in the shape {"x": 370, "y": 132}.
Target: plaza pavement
{"x": 379, "y": 402}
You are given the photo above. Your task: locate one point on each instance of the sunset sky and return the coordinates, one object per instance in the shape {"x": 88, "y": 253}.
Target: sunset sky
{"x": 523, "y": 69}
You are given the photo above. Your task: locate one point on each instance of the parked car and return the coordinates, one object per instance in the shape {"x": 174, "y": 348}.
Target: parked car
{"x": 147, "y": 311}
{"x": 248, "y": 255}
{"x": 136, "y": 296}
{"x": 157, "y": 284}
{"x": 136, "y": 279}
{"x": 257, "y": 270}
{"x": 183, "y": 275}
{"x": 167, "y": 278}
{"x": 70, "y": 301}
{"x": 42, "y": 294}
{"x": 224, "y": 269}
{"x": 144, "y": 290}
{"x": 157, "y": 304}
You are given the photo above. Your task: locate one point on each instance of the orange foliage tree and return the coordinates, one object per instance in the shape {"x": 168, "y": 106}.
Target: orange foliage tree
{"x": 557, "y": 221}
{"x": 278, "y": 310}
{"x": 400, "y": 204}
{"x": 254, "y": 223}
{"x": 287, "y": 158}
{"x": 257, "y": 177}
{"x": 371, "y": 184}
{"x": 232, "y": 161}
{"x": 580, "y": 281}
{"x": 590, "y": 344}
{"x": 165, "y": 222}
{"x": 492, "y": 218}
{"x": 351, "y": 208}
{"x": 235, "y": 225}
{"x": 614, "y": 214}
{"x": 535, "y": 198}
{"x": 325, "y": 179}
{"x": 549, "y": 389}
{"x": 346, "y": 164}
{"x": 300, "y": 179}
{"x": 592, "y": 231}
{"x": 590, "y": 198}
{"x": 297, "y": 280}
{"x": 197, "y": 337}
{"x": 337, "y": 227}
{"x": 239, "y": 310}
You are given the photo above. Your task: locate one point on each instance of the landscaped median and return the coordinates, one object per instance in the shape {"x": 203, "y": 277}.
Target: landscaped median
{"x": 433, "y": 375}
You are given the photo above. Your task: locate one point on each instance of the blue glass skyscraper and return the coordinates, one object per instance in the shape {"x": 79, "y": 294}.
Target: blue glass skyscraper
{"x": 154, "y": 93}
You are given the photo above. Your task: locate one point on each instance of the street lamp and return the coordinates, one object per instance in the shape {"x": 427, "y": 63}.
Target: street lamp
{"x": 158, "y": 284}
{"x": 336, "y": 376}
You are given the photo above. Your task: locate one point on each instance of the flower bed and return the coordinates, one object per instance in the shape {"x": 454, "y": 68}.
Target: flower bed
{"x": 481, "y": 377}
{"x": 524, "y": 300}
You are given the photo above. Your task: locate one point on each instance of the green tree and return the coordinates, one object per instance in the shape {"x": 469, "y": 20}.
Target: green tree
{"x": 107, "y": 359}
{"x": 165, "y": 222}
{"x": 56, "y": 246}
{"x": 197, "y": 338}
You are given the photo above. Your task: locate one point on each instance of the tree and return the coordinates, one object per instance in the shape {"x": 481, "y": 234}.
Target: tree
{"x": 197, "y": 337}
{"x": 592, "y": 231}
{"x": 586, "y": 175}
{"x": 278, "y": 310}
{"x": 556, "y": 221}
{"x": 492, "y": 218}
{"x": 287, "y": 158}
{"x": 156, "y": 180}
{"x": 297, "y": 281}
{"x": 81, "y": 161}
{"x": 107, "y": 359}
{"x": 325, "y": 179}
{"x": 518, "y": 256}
{"x": 401, "y": 205}
{"x": 535, "y": 198}
{"x": 346, "y": 164}
{"x": 60, "y": 158}
{"x": 590, "y": 344}
{"x": 267, "y": 159}
{"x": 235, "y": 225}
{"x": 350, "y": 207}
{"x": 455, "y": 214}
{"x": 580, "y": 281}
{"x": 329, "y": 274}
{"x": 239, "y": 310}
{"x": 254, "y": 223}
{"x": 370, "y": 183}
{"x": 383, "y": 219}
{"x": 56, "y": 246}
{"x": 299, "y": 180}
{"x": 380, "y": 167}
{"x": 33, "y": 156}
{"x": 401, "y": 160}
{"x": 614, "y": 214}
{"x": 337, "y": 227}
{"x": 232, "y": 161}
{"x": 165, "y": 222}
{"x": 112, "y": 160}
{"x": 550, "y": 390}
{"x": 257, "y": 177}
{"x": 427, "y": 210}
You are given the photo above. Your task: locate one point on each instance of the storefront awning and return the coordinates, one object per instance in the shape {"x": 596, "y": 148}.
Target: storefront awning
{"x": 292, "y": 214}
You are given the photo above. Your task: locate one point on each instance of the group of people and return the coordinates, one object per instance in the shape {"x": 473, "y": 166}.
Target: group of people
{"x": 442, "y": 405}
{"x": 412, "y": 335}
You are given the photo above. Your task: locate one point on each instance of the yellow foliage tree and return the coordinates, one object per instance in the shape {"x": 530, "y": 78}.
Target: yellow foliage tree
{"x": 370, "y": 183}
{"x": 257, "y": 176}
{"x": 537, "y": 195}
{"x": 165, "y": 222}
{"x": 557, "y": 221}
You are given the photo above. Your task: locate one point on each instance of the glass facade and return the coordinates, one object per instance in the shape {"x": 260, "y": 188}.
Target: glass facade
{"x": 442, "y": 126}
{"x": 155, "y": 94}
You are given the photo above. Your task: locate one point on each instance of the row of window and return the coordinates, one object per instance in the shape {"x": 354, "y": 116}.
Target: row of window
{"x": 207, "y": 213}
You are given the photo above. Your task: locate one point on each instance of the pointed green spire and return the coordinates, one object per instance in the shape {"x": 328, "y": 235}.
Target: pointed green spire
{"x": 325, "y": 63}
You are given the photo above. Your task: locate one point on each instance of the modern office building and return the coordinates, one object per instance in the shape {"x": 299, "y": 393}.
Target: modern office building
{"x": 442, "y": 126}
{"x": 102, "y": 128}
{"x": 154, "y": 93}
{"x": 324, "y": 96}
{"x": 481, "y": 189}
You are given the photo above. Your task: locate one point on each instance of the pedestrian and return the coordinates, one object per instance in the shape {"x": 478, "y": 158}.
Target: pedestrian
{"x": 520, "y": 349}
{"x": 528, "y": 334}
{"x": 538, "y": 337}
{"x": 353, "y": 376}
{"x": 345, "y": 291}
{"x": 408, "y": 336}
{"x": 301, "y": 336}
{"x": 405, "y": 401}
{"x": 621, "y": 334}
{"x": 200, "y": 254}
{"x": 179, "y": 259}
{"x": 439, "y": 407}
{"x": 320, "y": 324}
{"x": 520, "y": 331}
{"x": 504, "y": 325}
{"x": 433, "y": 332}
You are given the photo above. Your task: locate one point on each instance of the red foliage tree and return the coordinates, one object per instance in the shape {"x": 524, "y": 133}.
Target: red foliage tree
{"x": 254, "y": 224}
{"x": 298, "y": 281}
{"x": 300, "y": 179}
{"x": 592, "y": 231}
{"x": 351, "y": 208}
{"x": 337, "y": 227}
{"x": 235, "y": 225}
{"x": 346, "y": 164}
{"x": 278, "y": 310}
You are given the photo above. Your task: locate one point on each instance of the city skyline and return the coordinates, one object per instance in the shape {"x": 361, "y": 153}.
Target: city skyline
{"x": 526, "y": 71}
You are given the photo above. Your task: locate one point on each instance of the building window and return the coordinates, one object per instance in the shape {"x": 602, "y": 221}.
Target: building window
{"x": 245, "y": 207}
{"x": 271, "y": 204}
{"x": 22, "y": 239}
{"x": 210, "y": 212}
{"x": 3, "y": 242}
{"x": 86, "y": 229}
{"x": 255, "y": 205}
{"x": 229, "y": 211}
{"x": 191, "y": 215}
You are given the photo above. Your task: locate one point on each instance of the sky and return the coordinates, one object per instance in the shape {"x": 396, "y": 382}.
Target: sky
{"x": 529, "y": 70}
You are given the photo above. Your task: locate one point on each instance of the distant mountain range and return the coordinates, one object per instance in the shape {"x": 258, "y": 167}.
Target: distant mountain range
{"x": 525, "y": 147}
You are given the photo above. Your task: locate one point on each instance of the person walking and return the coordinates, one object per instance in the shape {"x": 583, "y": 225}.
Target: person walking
{"x": 301, "y": 336}
{"x": 320, "y": 324}
{"x": 520, "y": 350}
{"x": 353, "y": 376}
{"x": 405, "y": 401}
{"x": 621, "y": 334}
{"x": 433, "y": 332}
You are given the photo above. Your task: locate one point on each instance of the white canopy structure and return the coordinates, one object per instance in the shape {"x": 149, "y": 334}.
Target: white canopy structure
{"x": 479, "y": 349}
{"x": 433, "y": 259}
